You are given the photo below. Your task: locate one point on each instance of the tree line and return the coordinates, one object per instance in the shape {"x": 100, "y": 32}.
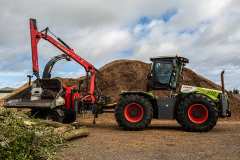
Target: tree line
{"x": 234, "y": 91}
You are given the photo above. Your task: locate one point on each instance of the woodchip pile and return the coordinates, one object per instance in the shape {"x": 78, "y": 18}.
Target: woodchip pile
{"x": 131, "y": 75}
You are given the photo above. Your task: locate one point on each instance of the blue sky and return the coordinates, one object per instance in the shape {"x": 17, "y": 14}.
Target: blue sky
{"x": 206, "y": 32}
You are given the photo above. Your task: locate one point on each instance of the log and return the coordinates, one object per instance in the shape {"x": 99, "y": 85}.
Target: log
{"x": 50, "y": 123}
{"x": 76, "y": 133}
{"x": 29, "y": 123}
{"x": 5, "y": 143}
{"x": 58, "y": 130}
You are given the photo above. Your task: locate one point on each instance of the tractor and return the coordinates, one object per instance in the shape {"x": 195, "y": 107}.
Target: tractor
{"x": 195, "y": 108}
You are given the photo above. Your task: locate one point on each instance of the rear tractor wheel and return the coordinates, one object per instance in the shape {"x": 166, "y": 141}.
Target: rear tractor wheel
{"x": 133, "y": 112}
{"x": 54, "y": 116}
{"x": 70, "y": 118}
{"x": 197, "y": 113}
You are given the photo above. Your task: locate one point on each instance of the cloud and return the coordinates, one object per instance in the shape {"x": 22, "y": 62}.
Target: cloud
{"x": 101, "y": 31}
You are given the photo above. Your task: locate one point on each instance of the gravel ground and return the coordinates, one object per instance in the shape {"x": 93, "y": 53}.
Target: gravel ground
{"x": 163, "y": 139}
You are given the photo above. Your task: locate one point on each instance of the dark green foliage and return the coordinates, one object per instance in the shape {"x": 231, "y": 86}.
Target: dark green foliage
{"x": 235, "y": 91}
{"x": 21, "y": 141}
{"x": 6, "y": 91}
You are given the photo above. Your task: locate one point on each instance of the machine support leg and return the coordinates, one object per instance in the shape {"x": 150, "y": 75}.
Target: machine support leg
{"x": 76, "y": 111}
{"x": 94, "y": 119}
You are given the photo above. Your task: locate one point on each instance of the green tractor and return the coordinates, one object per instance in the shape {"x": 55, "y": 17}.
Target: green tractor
{"x": 195, "y": 108}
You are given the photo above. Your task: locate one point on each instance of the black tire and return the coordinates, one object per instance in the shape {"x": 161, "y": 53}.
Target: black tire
{"x": 36, "y": 114}
{"x": 54, "y": 116}
{"x": 179, "y": 122}
{"x": 133, "y": 112}
{"x": 70, "y": 118}
{"x": 197, "y": 113}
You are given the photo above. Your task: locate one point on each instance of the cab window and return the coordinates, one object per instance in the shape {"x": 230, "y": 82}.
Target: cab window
{"x": 163, "y": 70}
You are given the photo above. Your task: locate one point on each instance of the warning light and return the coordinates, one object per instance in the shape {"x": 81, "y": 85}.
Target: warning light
{"x": 176, "y": 55}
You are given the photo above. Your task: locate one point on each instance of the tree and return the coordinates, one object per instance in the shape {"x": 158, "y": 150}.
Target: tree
{"x": 235, "y": 91}
{"x": 231, "y": 91}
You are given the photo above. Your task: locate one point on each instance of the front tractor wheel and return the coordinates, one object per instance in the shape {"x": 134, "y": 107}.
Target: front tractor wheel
{"x": 197, "y": 113}
{"x": 133, "y": 112}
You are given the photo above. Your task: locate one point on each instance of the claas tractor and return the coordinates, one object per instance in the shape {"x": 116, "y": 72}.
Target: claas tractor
{"x": 195, "y": 108}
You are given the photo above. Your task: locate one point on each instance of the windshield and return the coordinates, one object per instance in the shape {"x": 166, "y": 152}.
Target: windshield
{"x": 163, "y": 69}
{"x": 176, "y": 75}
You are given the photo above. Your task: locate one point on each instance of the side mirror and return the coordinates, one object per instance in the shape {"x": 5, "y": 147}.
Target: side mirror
{"x": 181, "y": 79}
{"x": 149, "y": 76}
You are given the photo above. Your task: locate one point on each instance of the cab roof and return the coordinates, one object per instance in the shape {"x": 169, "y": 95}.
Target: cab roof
{"x": 183, "y": 59}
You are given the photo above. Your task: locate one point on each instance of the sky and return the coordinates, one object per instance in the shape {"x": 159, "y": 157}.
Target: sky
{"x": 207, "y": 32}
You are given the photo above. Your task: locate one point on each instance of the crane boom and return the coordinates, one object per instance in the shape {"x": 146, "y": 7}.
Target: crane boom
{"x": 36, "y": 36}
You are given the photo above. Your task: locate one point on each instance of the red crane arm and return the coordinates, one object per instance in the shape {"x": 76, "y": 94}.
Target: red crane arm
{"x": 34, "y": 42}
{"x": 36, "y": 36}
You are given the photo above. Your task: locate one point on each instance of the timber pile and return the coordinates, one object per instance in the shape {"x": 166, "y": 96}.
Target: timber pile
{"x": 64, "y": 131}
{"x": 130, "y": 75}
{"x": 22, "y": 137}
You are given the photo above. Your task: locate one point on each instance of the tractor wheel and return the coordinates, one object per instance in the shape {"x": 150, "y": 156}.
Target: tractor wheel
{"x": 70, "y": 118}
{"x": 133, "y": 112}
{"x": 197, "y": 113}
{"x": 54, "y": 116}
{"x": 179, "y": 122}
{"x": 36, "y": 114}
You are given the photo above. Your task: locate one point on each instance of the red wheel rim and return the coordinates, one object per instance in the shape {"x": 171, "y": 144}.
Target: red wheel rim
{"x": 133, "y": 112}
{"x": 198, "y": 113}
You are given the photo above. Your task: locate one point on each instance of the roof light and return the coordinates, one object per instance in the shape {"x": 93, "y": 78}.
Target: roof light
{"x": 176, "y": 55}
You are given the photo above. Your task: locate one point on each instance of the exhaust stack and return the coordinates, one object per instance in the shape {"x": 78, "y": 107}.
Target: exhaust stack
{"x": 222, "y": 79}
{"x": 224, "y": 103}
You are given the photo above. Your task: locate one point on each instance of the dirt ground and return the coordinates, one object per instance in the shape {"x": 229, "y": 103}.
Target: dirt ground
{"x": 163, "y": 139}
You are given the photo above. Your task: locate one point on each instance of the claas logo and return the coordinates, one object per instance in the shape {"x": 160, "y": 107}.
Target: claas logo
{"x": 187, "y": 87}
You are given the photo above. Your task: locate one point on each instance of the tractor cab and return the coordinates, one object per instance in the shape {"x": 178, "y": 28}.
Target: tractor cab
{"x": 166, "y": 72}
